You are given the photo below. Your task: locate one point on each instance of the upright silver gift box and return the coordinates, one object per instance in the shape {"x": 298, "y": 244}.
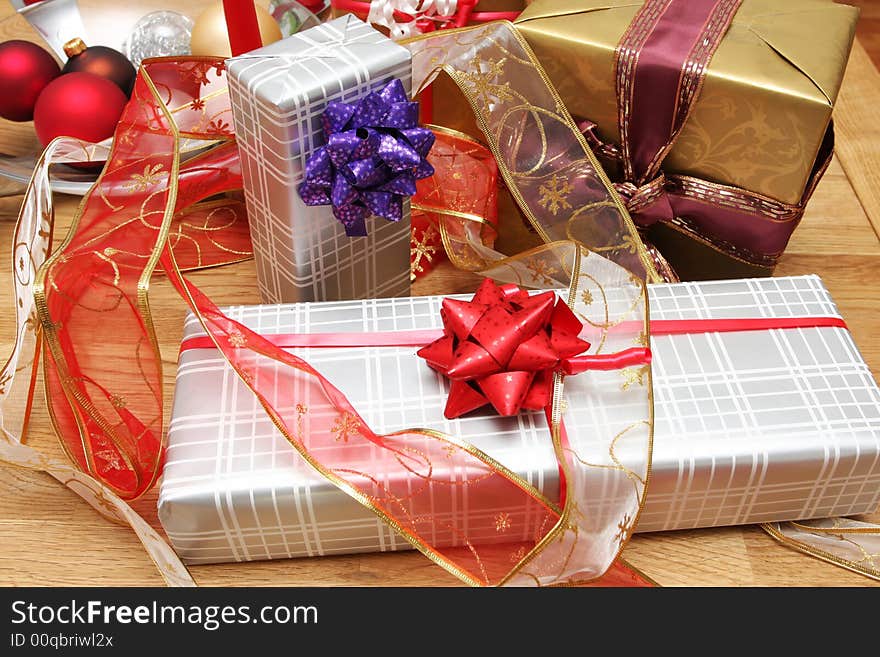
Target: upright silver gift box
{"x": 750, "y": 426}
{"x": 278, "y": 95}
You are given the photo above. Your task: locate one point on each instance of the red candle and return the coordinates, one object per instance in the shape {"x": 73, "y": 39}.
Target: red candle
{"x": 241, "y": 22}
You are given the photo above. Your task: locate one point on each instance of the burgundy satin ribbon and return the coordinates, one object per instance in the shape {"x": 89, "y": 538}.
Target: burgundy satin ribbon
{"x": 628, "y": 357}
{"x": 669, "y": 44}
{"x": 660, "y": 65}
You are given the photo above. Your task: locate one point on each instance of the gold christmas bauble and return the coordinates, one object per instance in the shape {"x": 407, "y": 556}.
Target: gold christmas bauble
{"x": 210, "y": 38}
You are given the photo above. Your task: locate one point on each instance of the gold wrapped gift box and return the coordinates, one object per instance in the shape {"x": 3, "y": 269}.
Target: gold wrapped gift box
{"x": 763, "y": 111}
{"x": 766, "y": 100}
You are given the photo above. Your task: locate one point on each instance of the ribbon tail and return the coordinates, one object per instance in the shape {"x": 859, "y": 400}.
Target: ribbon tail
{"x": 850, "y": 544}
{"x": 105, "y": 502}
{"x": 622, "y": 574}
{"x": 631, "y": 357}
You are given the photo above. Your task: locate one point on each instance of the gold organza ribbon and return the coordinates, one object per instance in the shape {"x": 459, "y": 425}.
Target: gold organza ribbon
{"x": 845, "y": 542}
{"x": 542, "y": 156}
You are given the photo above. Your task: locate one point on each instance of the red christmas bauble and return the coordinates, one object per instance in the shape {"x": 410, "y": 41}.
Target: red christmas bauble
{"x": 25, "y": 70}
{"x": 78, "y": 105}
{"x": 100, "y": 60}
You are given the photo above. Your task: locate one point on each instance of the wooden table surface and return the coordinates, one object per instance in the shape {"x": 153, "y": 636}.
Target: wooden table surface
{"x": 49, "y": 536}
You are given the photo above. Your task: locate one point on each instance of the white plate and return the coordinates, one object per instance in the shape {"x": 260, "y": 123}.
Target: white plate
{"x": 69, "y": 180}
{"x": 63, "y": 178}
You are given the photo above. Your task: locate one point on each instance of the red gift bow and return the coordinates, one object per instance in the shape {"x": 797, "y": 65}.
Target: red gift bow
{"x": 502, "y": 347}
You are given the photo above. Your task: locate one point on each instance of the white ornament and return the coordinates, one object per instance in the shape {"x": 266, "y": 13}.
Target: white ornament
{"x": 158, "y": 34}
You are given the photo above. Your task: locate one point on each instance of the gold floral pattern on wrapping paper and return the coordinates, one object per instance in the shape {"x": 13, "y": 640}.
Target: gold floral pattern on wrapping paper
{"x": 141, "y": 182}
{"x": 422, "y": 249}
{"x": 587, "y": 298}
{"x": 117, "y": 401}
{"x": 346, "y": 425}
{"x": 642, "y": 339}
{"x": 554, "y": 194}
{"x": 738, "y": 141}
{"x": 502, "y": 522}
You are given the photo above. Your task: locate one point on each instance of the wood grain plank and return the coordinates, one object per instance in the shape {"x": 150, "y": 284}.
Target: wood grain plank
{"x": 868, "y": 27}
{"x": 834, "y": 222}
{"x": 857, "y": 122}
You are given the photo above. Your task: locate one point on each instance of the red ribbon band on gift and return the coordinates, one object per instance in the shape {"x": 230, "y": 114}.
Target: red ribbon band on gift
{"x": 419, "y": 338}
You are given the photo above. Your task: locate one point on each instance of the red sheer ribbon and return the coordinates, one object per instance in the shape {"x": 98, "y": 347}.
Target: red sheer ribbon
{"x": 103, "y": 371}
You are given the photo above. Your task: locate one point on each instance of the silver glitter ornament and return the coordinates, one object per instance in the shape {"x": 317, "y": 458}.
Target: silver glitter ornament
{"x": 158, "y": 34}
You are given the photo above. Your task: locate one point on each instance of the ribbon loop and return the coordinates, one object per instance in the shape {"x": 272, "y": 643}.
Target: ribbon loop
{"x": 649, "y": 203}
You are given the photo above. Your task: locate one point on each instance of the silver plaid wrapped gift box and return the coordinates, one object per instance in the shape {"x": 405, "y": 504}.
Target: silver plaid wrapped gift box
{"x": 278, "y": 96}
{"x": 750, "y": 426}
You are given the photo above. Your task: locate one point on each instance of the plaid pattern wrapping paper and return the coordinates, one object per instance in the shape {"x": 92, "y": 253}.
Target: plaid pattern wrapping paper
{"x": 278, "y": 94}
{"x": 749, "y": 426}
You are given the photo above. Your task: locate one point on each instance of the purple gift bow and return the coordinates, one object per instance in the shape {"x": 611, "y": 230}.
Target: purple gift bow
{"x": 373, "y": 155}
